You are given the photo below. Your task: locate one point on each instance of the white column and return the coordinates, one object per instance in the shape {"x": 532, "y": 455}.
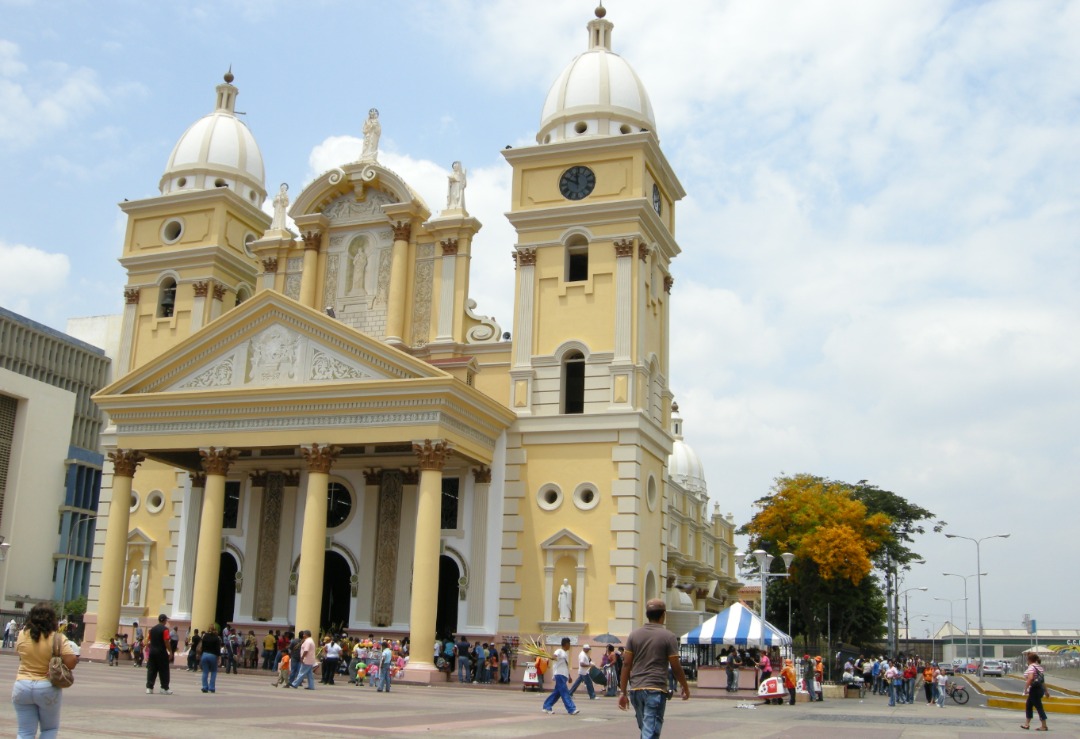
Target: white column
{"x": 127, "y": 332}
{"x": 445, "y": 330}
{"x": 523, "y": 321}
{"x": 624, "y": 263}
{"x": 478, "y": 555}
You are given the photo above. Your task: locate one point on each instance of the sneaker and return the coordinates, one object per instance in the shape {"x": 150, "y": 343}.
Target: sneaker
{"x": 166, "y": 692}
{"x": 546, "y": 710}
{"x": 575, "y": 712}
{"x": 149, "y": 691}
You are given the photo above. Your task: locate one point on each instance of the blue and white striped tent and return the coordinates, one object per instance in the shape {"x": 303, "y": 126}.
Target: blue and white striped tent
{"x": 737, "y": 624}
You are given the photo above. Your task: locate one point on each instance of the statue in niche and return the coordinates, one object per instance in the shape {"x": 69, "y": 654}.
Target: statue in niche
{"x": 281, "y": 204}
{"x": 455, "y": 195}
{"x": 359, "y": 268}
{"x": 566, "y": 597}
{"x": 133, "y": 588}
{"x": 372, "y": 132}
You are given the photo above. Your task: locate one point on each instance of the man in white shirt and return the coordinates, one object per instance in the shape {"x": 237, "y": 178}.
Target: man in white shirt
{"x": 584, "y": 665}
{"x": 561, "y": 670}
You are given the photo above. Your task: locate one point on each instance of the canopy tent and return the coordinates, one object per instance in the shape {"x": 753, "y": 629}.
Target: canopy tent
{"x": 737, "y": 624}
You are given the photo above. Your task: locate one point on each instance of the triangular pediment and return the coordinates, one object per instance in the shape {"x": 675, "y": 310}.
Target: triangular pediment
{"x": 564, "y": 539}
{"x": 272, "y": 341}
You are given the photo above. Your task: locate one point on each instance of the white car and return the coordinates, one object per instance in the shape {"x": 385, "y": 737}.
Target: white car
{"x": 993, "y": 668}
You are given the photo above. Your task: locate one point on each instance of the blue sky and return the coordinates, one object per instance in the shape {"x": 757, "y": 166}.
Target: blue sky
{"x": 880, "y": 261}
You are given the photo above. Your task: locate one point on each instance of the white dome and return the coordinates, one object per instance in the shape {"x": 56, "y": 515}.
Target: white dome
{"x": 684, "y": 466}
{"x": 217, "y": 150}
{"x": 598, "y": 94}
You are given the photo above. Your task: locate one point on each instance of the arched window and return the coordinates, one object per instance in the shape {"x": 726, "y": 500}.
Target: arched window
{"x": 574, "y": 383}
{"x": 577, "y": 259}
{"x": 166, "y": 297}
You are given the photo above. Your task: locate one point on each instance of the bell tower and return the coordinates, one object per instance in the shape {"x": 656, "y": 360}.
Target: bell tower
{"x": 186, "y": 250}
{"x": 593, "y": 206}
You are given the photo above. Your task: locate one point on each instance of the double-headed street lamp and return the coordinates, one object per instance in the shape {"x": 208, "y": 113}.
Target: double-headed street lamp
{"x": 978, "y": 569}
{"x": 967, "y": 622}
{"x": 907, "y": 621}
{"x": 765, "y": 560}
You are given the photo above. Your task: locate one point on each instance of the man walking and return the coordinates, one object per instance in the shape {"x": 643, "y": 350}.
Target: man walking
{"x": 561, "y": 670}
{"x": 650, "y": 650}
{"x": 386, "y": 660}
{"x": 583, "y": 666}
{"x": 307, "y": 662}
{"x": 160, "y": 656}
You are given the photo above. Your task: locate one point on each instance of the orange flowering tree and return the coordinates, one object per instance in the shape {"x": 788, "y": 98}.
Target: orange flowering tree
{"x": 837, "y": 540}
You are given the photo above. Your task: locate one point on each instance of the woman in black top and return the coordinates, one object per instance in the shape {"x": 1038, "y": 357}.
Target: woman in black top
{"x": 210, "y": 651}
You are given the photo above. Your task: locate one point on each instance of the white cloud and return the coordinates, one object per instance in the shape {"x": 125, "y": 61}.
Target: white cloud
{"x": 30, "y": 273}
{"x": 51, "y": 103}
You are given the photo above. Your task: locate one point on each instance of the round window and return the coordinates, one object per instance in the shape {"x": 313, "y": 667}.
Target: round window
{"x": 155, "y": 501}
{"x": 172, "y": 231}
{"x": 338, "y": 505}
{"x": 549, "y": 497}
{"x": 650, "y": 494}
{"x": 586, "y": 497}
{"x": 134, "y": 503}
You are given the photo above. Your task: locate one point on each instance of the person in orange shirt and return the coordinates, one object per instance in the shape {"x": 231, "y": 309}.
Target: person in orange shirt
{"x": 283, "y": 670}
{"x": 928, "y": 682}
{"x": 789, "y": 678}
{"x": 819, "y": 676}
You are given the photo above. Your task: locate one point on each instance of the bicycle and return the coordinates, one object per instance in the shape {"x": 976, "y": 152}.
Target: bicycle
{"x": 956, "y": 692}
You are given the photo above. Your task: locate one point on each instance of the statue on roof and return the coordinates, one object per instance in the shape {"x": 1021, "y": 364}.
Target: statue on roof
{"x": 372, "y": 132}
{"x": 455, "y": 195}
{"x": 281, "y": 204}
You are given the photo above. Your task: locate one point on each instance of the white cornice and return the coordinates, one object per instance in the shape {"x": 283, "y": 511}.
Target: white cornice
{"x": 173, "y": 202}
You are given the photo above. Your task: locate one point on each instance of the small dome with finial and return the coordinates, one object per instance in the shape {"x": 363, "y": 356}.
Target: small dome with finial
{"x": 601, "y": 11}
{"x": 216, "y": 151}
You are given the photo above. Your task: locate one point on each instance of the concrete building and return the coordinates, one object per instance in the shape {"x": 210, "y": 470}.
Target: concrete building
{"x": 50, "y": 465}
{"x": 321, "y": 429}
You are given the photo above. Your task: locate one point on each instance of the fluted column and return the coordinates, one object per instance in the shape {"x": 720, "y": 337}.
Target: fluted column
{"x": 114, "y": 559}
{"x": 309, "y": 586}
{"x": 309, "y": 277}
{"x": 395, "y": 308}
{"x": 215, "y": 463}
{"x": 425, "y": 579}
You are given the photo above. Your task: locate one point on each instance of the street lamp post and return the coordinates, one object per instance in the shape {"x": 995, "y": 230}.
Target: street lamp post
{"x": 907, "y": 621}
{"x": 765, "y": 560}
{"x": 978, "y": 582}
{"x": 967, "y": 622}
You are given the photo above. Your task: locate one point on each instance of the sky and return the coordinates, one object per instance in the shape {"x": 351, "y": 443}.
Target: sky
{"x": 879, "y": 267}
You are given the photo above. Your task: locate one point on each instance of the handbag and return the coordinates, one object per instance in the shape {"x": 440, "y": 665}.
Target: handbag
{"x": 60, "y": 675}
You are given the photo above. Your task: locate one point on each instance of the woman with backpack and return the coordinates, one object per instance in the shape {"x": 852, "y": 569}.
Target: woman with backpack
{"x": 1035, "y": 689}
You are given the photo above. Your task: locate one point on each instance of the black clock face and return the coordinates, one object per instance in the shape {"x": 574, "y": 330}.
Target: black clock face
{"x": 577, "y": 182}
{"x": 656, "y": 202}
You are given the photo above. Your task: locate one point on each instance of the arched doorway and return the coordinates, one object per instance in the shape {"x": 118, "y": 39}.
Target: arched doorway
{"x": 447, "y": 611}
{"x": 226, "y": 592}
{"x": 336, "y": 592}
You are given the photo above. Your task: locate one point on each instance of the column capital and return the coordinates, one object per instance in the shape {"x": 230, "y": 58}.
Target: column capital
{"x": 643, "y": 251}
{"x": 291, "y": 478}
{"x": 125, "y": 461}
{"x": 409, "y": 476}
{"x": 431, "y": 455}
{"x": 269, "y": 265}
{"x": 219, "y": 291}
{"x": 624, "y": 248}
{"x": 524, "y": 257}
{"x": 131, "y": 295}
{"x": 217, "y": 461}
{"x": 402, "y": 230}
{"x": 320, "y": 458}
{"x": 482, "y": 474}
{"x": 258, "y": 478}
{"x": 198, "y": 479}
{"x": 201, "y": 288}
{"x": 449, "y": 247}
{"x": 669, "y": 281}
{"x": 312, "y": 239}
{"x": 372, "y": 476}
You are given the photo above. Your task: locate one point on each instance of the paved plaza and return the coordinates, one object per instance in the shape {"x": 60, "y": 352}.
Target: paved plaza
{"x": 112, "y": 702}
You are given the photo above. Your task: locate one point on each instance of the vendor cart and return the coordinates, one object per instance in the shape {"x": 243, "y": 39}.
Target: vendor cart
{"x": 531, "y": 680}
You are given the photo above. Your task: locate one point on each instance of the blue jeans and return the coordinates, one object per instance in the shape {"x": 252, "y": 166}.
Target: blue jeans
{"x": 463, "y": 669}
{"x": 208, "y": 662}
{"x": 649, "y": 708}
{"x": 896, "y": 693}
{"x": 37, "y": 703}
{"x": 560, "y": 691}
{"x": 583, "y": 677}
{"x": 504, "y": 672}
{"x": 939, "y": 695}
{"x": 384, "y": 678}
{"x": 308, "y": 672}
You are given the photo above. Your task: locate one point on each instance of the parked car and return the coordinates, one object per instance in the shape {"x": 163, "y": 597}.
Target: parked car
{"x": 993, "y": 668}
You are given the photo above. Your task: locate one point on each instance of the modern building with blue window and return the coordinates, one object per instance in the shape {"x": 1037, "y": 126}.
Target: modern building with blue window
{"x": 50, "y": 466}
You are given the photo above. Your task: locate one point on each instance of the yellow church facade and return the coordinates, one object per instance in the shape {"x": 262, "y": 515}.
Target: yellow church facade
{"x": 317, "y": 428}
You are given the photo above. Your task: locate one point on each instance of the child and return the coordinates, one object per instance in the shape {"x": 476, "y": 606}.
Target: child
{"x": 283, "y": 670}
{"x": 114, "y": 653}
{"x": 361, "y": 672}
{"x": 373, "y": 673}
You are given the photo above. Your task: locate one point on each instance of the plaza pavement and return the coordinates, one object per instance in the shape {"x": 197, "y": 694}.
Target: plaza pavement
{"x": 112, "y": 702}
